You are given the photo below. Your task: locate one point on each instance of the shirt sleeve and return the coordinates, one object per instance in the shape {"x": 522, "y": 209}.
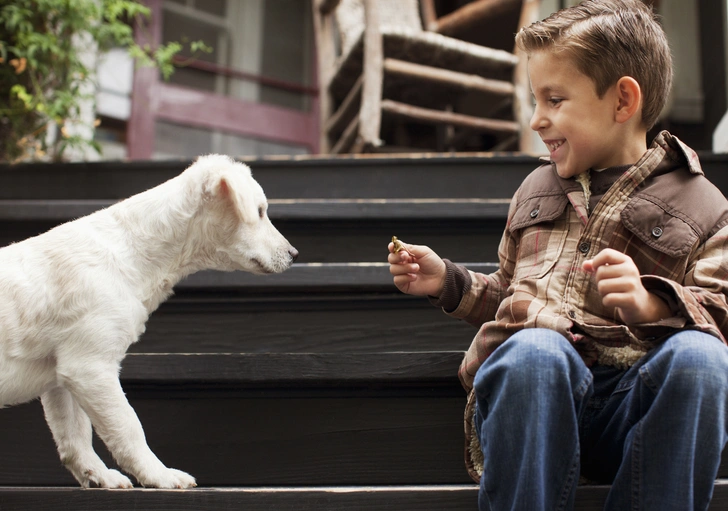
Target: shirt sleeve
{"x": 457, "y": 284}
{"x": 475, "y": 297}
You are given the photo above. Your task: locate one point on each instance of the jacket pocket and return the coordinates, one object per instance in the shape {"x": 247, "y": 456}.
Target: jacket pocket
{"x": 660, "y": 227}
{"x": 540, "y": 225}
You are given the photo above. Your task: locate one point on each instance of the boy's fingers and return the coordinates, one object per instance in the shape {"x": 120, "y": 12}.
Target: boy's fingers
{"x": 403, "y": 247}
{"x": 615, "y": 285}
{"x": 399, "y": 258}
{"x": 402, "y": 269}
{"x": 611, "y": 271}
{"x": 608, "y": 256}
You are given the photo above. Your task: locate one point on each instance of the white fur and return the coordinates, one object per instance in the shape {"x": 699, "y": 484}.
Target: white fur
{"x": 74, "y": 299}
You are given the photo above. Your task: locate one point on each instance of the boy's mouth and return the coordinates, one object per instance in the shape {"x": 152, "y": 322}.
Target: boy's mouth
{"x": 553, "y": 145}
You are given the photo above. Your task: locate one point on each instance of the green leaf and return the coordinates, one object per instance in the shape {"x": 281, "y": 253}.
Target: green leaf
{"x": 47, "y": 33}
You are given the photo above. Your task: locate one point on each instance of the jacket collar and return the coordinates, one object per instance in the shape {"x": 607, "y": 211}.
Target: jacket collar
{"x": 674, "y": 148}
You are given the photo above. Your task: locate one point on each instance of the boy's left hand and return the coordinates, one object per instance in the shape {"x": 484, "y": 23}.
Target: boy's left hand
{"x": 620, "y": 286}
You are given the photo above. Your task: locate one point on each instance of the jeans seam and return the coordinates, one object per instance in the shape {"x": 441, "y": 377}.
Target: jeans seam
{"x": 636, "y": 472}
{"x": 648, "y": 380}
{"x": 582, "y": 389}
{"x": 569, "y": 483}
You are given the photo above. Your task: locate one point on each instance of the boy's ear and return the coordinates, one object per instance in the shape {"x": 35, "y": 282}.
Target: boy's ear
{"x": 629, "y": 98}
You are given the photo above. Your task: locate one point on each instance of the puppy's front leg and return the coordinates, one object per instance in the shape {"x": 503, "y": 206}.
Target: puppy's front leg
{"x": 95, "y": 386}
{"x": 72, "y": 432}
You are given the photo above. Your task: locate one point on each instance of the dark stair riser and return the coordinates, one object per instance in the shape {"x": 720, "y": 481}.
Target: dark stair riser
{"x": 277, "y": 419}
{"x": 259, "y": 440}
{"x": 350, "y": 177}
{"x": 390, "y": 177}
{"x": 269, "y": 437}
{"x": 333, "y": 324}
{"x": 337, "y": 235}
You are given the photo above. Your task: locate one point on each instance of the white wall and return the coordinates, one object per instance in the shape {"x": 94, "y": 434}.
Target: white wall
{"x": 115, "y": 78}
{"x": 680, "y": 21}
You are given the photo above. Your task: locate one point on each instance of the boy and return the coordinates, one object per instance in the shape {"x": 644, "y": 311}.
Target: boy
{"x": 601, "y": 344}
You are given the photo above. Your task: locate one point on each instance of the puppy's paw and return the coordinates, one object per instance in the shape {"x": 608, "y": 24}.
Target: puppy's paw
{"x": 106, "y": 478}
{"x": 169, "y": 478}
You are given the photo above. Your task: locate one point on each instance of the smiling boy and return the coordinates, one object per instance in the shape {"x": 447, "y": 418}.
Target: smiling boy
{"x": 601, "y": 345}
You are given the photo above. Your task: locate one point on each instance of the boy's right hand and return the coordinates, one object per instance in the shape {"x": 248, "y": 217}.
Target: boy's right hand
{"x": 417, "y": 271}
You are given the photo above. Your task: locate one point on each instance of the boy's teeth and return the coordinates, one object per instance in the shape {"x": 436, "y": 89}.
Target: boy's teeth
{"x": 555, "y": 145}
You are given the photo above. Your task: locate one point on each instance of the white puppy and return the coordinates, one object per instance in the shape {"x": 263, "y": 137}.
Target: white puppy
{"x": 72, "y": 301}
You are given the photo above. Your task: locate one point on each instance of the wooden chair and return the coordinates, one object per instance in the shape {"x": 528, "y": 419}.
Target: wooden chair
{"x": 388, "y": 84}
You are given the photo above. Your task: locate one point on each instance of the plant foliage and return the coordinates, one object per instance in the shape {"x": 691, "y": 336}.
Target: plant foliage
{"x": 43, "y": 77}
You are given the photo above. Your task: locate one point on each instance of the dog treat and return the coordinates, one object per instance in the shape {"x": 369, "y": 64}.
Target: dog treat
{"x": 398, "y": 246}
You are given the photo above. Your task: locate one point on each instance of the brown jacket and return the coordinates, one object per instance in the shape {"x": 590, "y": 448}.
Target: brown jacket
{"x": 662, "y": 212}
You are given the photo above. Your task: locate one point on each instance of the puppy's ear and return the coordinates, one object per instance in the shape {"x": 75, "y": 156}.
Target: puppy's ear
{"x": 227, "y": 189}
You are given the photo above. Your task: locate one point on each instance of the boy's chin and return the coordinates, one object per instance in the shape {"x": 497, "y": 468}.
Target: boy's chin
{"x": 565, "y": 172}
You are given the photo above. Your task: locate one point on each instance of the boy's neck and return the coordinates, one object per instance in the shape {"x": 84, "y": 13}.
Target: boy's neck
{"x": 635, "y": 146}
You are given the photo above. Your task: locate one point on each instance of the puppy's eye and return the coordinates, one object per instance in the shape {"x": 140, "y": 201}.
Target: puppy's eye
{"x": 261, "y": 212}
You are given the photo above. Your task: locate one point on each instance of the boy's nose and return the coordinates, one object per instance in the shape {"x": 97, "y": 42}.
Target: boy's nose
{"x": 538, "y": 121}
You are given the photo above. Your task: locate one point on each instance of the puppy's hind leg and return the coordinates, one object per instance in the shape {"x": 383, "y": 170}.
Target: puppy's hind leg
{"x": 73, "y": 434}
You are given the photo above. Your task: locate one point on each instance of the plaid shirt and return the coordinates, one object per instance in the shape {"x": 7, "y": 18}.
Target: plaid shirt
{"x": 662, "y": 212}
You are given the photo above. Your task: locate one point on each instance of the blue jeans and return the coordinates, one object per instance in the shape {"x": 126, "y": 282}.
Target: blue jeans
{"x": 655, "y": 431}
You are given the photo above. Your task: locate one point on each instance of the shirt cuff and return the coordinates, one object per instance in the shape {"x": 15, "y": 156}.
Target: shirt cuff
{"x": 664, "y": 327}
{"x": 661, "y": 289}
{"x": 457, "y": 284}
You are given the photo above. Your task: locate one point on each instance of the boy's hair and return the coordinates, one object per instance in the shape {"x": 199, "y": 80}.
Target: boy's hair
{"x": 609, "y": 39}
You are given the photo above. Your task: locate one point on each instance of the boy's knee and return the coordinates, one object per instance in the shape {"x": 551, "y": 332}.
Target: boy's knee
{"x": 529, "y": 357}
{"x": 696, "y": 359}
{"x": 536, "y": 347}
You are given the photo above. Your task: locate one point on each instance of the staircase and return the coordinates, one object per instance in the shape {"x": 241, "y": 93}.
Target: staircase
{"x": 322, "y": 388}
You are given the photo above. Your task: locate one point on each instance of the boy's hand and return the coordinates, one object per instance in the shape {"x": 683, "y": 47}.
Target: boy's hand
{"x": 417, "y": 270}
{"x": 620, "y": 286}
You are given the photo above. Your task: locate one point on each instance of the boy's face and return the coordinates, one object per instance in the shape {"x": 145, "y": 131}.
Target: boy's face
{"x": 577, "y": 126}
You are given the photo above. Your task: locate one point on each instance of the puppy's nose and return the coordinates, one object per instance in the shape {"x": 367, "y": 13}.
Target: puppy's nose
{"x": 294, "y": 253}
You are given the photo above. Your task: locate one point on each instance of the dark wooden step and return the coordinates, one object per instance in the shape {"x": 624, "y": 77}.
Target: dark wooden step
{"x": 354, "y": 176}
{"x": 294, "y": 370}
{"x": 40, "y": 210}
{"x": 308, "y": 278}
{"x": 338, "y": 241}
{"x": 370, "y": 176}
{"x": 336, "y": 498}
{"x": 311, "y": 308}
{"x": 277, "y": 419}
{"x": 264, "y": 437}
{"x": 363, "y": 322}
{"x": 324, "y": 230}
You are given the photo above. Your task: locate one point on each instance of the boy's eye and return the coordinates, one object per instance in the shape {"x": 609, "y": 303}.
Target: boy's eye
{"x": 555, "y": 101}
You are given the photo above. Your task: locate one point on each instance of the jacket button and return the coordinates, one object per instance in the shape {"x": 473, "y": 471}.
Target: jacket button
{"x": 534, "y": 213}
{"x": 584, "y": 247}
{"x": 657, "y": 232}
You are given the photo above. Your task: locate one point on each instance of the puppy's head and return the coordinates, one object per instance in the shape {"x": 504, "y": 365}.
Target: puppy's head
{"x": 235, "y": 230}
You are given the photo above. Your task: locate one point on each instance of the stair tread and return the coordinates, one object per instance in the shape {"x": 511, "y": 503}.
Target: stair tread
{"x": 282, "y": 178}
{"x": 425, "y": 497}
{"x": 424, "y": 368}
{"x": 288, "y": 209}
{"x": 417, "y": 175}
{"x": 309, "y": 276}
